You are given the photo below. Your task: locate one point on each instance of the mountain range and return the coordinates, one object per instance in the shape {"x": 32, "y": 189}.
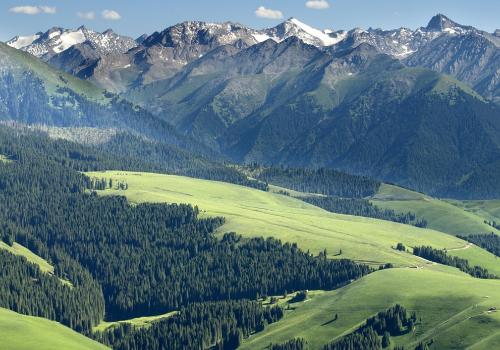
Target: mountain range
{"x": 416, "y": 107}
{"x": 119, "y": 63}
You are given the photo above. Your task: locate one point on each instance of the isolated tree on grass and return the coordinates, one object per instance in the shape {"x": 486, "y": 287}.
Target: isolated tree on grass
{"x": 386, "y": 340}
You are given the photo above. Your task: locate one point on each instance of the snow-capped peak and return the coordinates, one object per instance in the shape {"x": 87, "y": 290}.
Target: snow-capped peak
{"x": 67, "y": 39}
{"x": 325, "y": 38}
{"x": 294, "y": 27}
{"x": 20, "y": 42}
{"x": 57, "y": 40}
{"x": 441, "y": 23}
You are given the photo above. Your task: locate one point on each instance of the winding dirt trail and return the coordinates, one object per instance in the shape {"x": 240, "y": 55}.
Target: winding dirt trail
{"x": 467, "y": 246}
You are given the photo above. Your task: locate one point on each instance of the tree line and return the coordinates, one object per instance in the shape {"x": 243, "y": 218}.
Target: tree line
{"x": 293, "y": 344}
{"x": 493, "y": 224}
{"x": 128, "y": 261}
{"x": 376, "y": 332}
{"x": 27, "y": 290}
{"x": 322, "y": 181}
{"x": 490, "y": 242}
{"x": 210, "y": 325}
{"x": 363, "y": 207}
{"x": 441, "y": 257}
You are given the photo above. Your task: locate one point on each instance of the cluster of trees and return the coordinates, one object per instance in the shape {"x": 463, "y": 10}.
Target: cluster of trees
{"x": 294, "y": 344}
{"x": 126, "y": 152}
{"x": 138, "y": 260}
{"x": 27, "y": 290}
{"x": 102, "y": 184}
{"x": 363, "y": 207}
{"x": 493, "y": 224}
{"x": 27, "y": 101}
{"x": 394, "y": 321}
{"x": 490, "y": 242}
{"x": 210, "y": 325}
{"x": 441, "y": 257}
{"x": 423, "y": 345}
{"x": 148, "y": 155}
{"x": 364, "y": 338}
{"x": 299, "y": 296}
{"x": 323, "y": 181}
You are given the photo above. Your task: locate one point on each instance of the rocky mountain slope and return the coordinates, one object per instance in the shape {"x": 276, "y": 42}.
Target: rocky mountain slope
{"x": 57, "y": 40}
{"x": 359, "y": 100}
{"x": 294, "y": 104}
{"x": 32, "y": 92}
{"x": 119, "y": 64}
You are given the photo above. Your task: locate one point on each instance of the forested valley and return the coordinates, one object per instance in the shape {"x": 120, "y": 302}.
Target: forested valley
{"x": 115, "y": 261}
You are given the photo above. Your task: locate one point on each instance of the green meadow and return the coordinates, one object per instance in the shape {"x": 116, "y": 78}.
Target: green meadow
{"x": 452, "y": 310}
{"x": 136, "y": 322}
{"x": 251, "y": 213}
{"x": 43, "y": 265}
{"x": 449, "y": 302}
{"x": 22, "y": 332}
{"x": 487, "y": 209}
{"x": 20, "y": 250}
{"x": 441, "y": 215}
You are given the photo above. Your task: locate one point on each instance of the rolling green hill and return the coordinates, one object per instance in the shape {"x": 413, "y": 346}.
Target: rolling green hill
{"x": 19, "y": 332}
{"x": 440, "y": 214}
{"x": 252, "y": 213}
{"x": 19, "y": 62}
{"x": 354, "y": 110}
{"x": 487, "y": 209}
{"x": 59, "y": 99}
{"x": 453, "y": 309}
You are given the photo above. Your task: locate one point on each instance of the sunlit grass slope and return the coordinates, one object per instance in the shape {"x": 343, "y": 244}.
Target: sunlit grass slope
{"x": 43, "y": 265}
{"x": 4, "y": 159}
{"x": 487, "y": 209}
{"x": 453, "y": 308}
{"x": 19, "y": 332}
{"x": 20, "y": 250}
{"x": 252, "y": 212}
{"x": 136, "y": 322}
{"x": 440, "y": 215}
{"x": 53, "y": 78}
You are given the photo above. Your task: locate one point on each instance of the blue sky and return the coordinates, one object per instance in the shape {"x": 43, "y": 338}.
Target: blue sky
{"x": 135, "y": 17}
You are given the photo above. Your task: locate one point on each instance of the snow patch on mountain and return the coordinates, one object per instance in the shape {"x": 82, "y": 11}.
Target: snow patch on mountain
{"x": 19, "y": 42}
{"x": 57, "y": 40}
{"x": 294, "y": 27}
{"x": 67, "y": 39}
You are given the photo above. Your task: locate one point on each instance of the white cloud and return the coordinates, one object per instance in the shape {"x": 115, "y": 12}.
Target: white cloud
{"x": 111, "y": 15}
{"x": 263, "y": 12}
{"x": 86, "y": 15}
{"x": 317, "y": 4}
{"x": 47, "y": 9}
{"x": 33, "y": 10}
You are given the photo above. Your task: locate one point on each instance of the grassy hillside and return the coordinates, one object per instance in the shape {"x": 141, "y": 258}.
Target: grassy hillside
{"x": 256, "y": 213}
{"x": 487, "y": 209}
{"x": 441, "y": 215}
{"x": 21, "y": 332}
{"x": 44, "y": 265}
{"x": 136, "y": 322}
{"x": 18, "y": 249}
{"x": 4, "y": 159}
{"x": 54, "y": 79}
{"x": 453, "y": 307}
